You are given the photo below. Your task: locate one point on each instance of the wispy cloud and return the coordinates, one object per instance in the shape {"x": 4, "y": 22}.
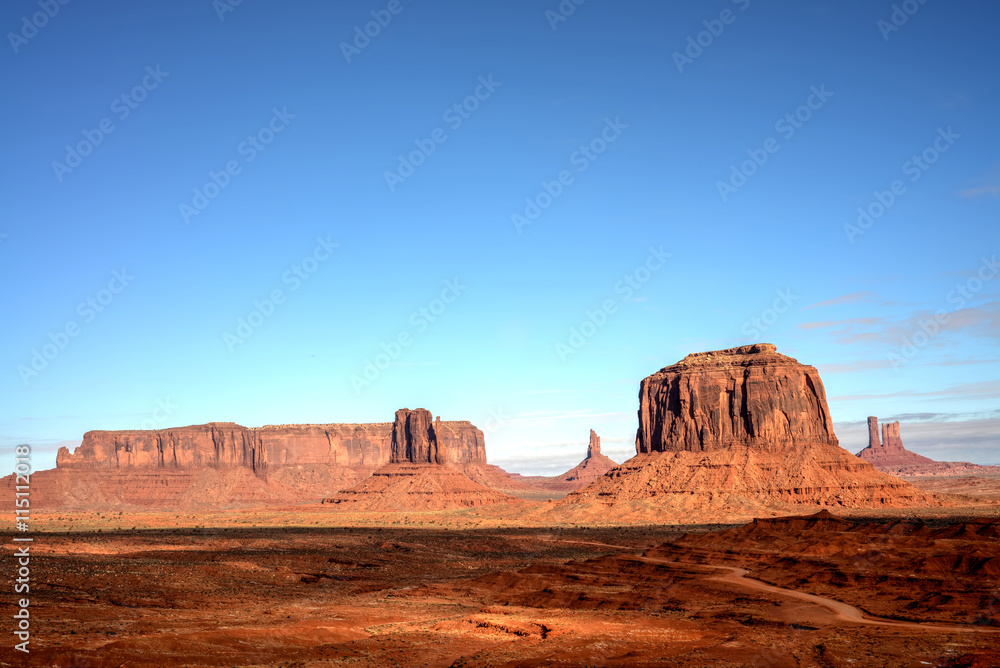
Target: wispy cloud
{"x": 546, "y": 418}
{"x": 991, "y": 185}
{"x": 979, "y": 390}
{"x": 993, "y": 190}
{"x": 852, "y": 298}
{"x": 982, "y": 321}
{"x": 845, "y": 323}
{"x": 851, "y": 367}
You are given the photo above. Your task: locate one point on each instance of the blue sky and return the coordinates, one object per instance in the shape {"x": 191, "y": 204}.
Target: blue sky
{"x": 480, "y": 181}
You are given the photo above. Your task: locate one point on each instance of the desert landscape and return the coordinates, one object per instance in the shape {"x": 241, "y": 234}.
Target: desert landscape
{"x": 740, "y": 534}
{"x": 512, "y": 334}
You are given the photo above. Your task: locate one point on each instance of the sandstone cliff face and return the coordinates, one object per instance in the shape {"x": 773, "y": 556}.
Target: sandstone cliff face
{"x": 750, "y": 395}
{"x": 414, "y": 439}
{"x": 227, "y": 445}
{"x": 736, "y": 432}
{"x": 464, "y": 442}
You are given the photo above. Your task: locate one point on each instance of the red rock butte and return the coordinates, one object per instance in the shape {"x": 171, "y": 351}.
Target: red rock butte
{"x": 425, "y": 471}
{"x": 751, "y": 395}
{"x": 735, "y": 433}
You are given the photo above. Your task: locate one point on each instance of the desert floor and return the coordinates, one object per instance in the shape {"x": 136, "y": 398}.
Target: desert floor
{"x": 427, "y": 590}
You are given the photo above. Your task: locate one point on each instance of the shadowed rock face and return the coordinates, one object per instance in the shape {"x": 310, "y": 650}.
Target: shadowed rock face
{"x": 414, "y": 438}
{"x": 750, "y": 395}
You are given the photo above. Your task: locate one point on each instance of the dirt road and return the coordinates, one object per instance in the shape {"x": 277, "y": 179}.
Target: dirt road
{"x": 839, "y": 611}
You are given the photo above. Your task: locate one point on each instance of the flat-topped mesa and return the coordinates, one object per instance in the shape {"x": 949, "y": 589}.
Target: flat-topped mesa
{"x": 223, "y": 445}
{"x": 751, "y": 395}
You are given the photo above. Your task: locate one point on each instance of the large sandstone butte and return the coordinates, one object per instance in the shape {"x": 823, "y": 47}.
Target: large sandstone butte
{"x": 223, "y": 463}
{"x": 889, "y": 456}
{"x": 590, "y": 469}
{"x": 418, "y": 439}
{"x": 751, "y": 396}
{"x": 734, "y": 433}
{"x": 425, "y": 471}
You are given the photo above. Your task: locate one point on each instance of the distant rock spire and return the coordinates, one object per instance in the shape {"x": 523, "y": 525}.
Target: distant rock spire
{"x": 890, "y": 436}
{"x": 873, "y": 441}
{"x": 594, "y": 448}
